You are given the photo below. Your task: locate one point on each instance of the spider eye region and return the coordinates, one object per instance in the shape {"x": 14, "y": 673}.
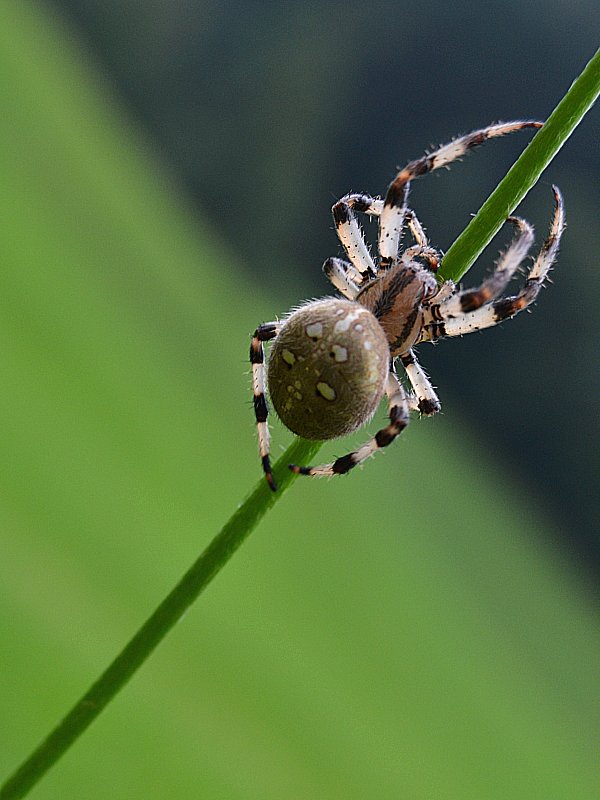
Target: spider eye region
{"x": 327, "y": 368}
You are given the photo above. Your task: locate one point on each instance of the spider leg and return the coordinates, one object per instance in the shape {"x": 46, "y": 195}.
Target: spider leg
{"x": 494, "y": 312}
{"x": 362, "y": 267}
{"x": 467, "y": 300}
{"x": 427, "y": 400}
{"x": 375, "y": 207}
{"x": 350, "y": 233}
{"x": 445, "y": 292}
{"x": 421, "y": 249}
{"x": 415, "y": 227}
{"x": 393, "y": 215}
{"x": 428, "y": 254}
{"x": 398, "y": 416}
{"x": 339, "y": 273}
{"x": 263, "y": 333}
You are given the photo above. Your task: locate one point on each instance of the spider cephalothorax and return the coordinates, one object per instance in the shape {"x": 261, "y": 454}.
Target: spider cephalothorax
{"x": 332, "y": 360}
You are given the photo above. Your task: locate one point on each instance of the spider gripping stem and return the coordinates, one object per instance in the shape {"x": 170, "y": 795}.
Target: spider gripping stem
{"x": 416, "y": 310}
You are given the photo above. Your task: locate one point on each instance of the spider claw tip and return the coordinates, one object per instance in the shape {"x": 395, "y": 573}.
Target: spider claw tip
{"x": 300, "y": 470}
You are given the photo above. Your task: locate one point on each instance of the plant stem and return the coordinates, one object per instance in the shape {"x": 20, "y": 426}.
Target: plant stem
{"x": 459, "y": 257}
{"x": 523, "y": 174}
{"x": 156, "y": 627}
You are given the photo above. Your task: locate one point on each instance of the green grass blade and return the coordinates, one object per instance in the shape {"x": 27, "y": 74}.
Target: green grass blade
{"x": 156, "y": 627}
{"x": 523, "y": 174}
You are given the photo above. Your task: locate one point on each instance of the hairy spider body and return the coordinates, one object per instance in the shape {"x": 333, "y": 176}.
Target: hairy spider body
{"x": 396, "y": 299}
{"x": 332, "y": 360}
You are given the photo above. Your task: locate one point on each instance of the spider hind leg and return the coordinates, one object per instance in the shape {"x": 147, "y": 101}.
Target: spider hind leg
{"x": 491, "y": 313}
{"x": 398, "y": 420}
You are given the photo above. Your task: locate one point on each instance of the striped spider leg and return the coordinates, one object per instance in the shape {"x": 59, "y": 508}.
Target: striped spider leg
{"x": 263, "y": 333}
{"x": 394, "y": 210}
{"x": 362, "y": 267}
{"x": 349, "y": 277}
{"x": 398, "y": 420}
{"x": 449, "y": 302}
{"x": 475, "y": 309}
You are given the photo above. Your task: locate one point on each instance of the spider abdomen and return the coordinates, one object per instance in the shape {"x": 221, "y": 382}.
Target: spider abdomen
{"x": 327, "y": 368}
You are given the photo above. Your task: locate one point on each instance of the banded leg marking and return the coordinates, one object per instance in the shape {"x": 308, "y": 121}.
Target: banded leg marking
{"x": 426, "y": 253}
{"x": 471, "y": 299}
{"x": 339, "y": 273}
{"x": 506, "y": 307}
{"x": 452, "y": 304}
{"x": 373, "y": 206}
{"x": 257, "y": 358}
{"x": 398, "y": 416}
{"x": 350, "y": 233}
{"x": 394, "y": 208}
{"x": 427, "y": 400}
{"x": 415, "y": 227}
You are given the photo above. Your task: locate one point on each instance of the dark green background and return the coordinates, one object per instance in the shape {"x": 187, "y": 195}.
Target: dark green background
{"x": 415, "y": 630}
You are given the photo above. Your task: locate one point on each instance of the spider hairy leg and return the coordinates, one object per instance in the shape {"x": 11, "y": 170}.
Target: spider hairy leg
{"x": 415, "y": 227}
{"x": 428, "y": 401}
{"x": 350, "y": 233}
{"x": 467, "y": 300}
{"x": 262, "y": 334}
{"x": 549, "y": 251}
{"x": 340, "y": 273}
{"x": 497, "y": 311}
{"x": 373, "y": 206}
{"x": 391, "y": 221}
{"x": 398, "y": 420}
{"x": 424, "y": 252}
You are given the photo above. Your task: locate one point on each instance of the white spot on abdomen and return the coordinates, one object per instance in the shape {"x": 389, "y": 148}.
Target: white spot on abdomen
{"x": 342, "y": 325}
{"x": 315, "y": 330}
{"x": 340, "y": 353}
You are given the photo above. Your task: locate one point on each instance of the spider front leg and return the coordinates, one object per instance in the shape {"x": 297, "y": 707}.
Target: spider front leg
{"x": 425, "y": 253}
{"x": 421, "y": 249}
{"x": 350, "y": 233}
{"x": 393, "y": 215}
{"x": 415, "y": 227}
{"x": 339, "y": 273}
{"x": 263, "y": 333}
{"x": 362, "y": 267}
{"x": 398, "y": 416}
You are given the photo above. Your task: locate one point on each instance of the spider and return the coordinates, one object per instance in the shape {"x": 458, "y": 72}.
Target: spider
{"x": 332, "y": 360}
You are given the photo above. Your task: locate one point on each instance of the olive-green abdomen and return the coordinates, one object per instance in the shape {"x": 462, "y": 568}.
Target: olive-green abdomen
{"x": 327, "y": 368}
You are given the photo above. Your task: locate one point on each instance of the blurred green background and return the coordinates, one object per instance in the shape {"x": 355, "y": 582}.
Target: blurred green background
{"x": 426, "y": 628}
